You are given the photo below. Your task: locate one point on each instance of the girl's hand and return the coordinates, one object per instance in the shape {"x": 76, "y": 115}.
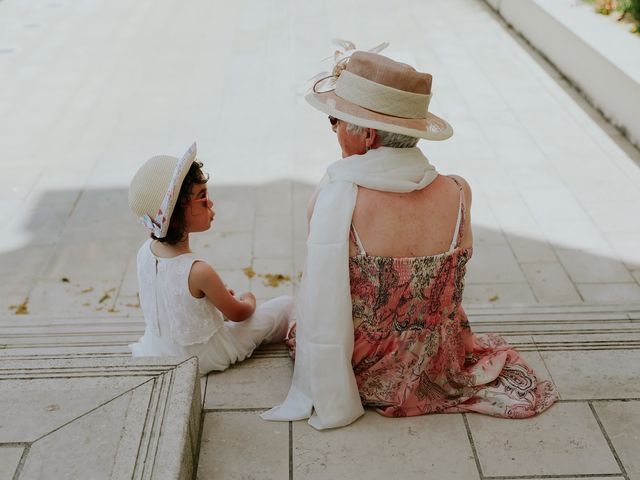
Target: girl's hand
{"x": 249, "y": 298}
{"x": 231, "y": 292}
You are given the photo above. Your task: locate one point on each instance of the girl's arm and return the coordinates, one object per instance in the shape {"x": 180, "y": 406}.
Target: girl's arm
{"x": 204, "y": 281}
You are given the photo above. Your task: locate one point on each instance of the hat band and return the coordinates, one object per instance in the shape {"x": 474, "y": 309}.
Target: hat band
{"x": 381, "y": 98}
{"x": 159, "y": 225}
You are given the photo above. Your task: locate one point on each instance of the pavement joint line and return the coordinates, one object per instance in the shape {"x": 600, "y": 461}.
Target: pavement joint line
{"x": 147, "y": 431}
{"x": 235, "y": 410}
{"x": 609, "y": 442}
{"x": 472, "y": 444}
{"x": 91, "y": 410}
{"x": 70, "y": 377}
{"x": 23, "y": 459}
{"x": 165, "y": 410}
{"x": 603, "y": 400}
{"x": 91, "y": 370}
{"x": 146, "y": 422}
{"x": 67, "y": 356}
{"x": 290, "y": 450}
{"x": 201, "y": 421}
{"x": 553, "y": 477}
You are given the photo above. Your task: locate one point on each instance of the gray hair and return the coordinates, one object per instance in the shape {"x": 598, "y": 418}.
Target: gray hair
{"x": 387, "y": 139}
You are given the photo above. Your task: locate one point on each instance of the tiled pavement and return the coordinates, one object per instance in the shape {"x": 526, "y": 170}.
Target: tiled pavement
{"x": 88, "y": 91}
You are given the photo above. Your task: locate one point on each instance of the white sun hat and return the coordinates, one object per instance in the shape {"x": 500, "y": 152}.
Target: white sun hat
{"x": 155, "y": 187}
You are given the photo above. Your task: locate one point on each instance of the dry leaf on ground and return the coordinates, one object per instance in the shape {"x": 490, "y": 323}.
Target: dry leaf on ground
{"x": 21, "y": 309}
{"x": 274, "y": 279}
{"x": 249, "y": 272}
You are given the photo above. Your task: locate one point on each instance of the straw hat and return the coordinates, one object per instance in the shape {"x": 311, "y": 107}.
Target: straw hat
{"x": 375, "y": 91}
{"x": 155, "y": 188}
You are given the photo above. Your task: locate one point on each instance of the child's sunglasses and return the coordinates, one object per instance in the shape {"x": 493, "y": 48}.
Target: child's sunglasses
{"x": 204, "y": 200}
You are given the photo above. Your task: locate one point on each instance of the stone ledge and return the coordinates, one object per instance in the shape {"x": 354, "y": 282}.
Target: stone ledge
{"x": 100, "y": 417}
{"x": 597, "y": 56}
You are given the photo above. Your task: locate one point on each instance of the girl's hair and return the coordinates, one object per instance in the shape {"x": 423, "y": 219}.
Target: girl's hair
{"x": 195, "y": 176}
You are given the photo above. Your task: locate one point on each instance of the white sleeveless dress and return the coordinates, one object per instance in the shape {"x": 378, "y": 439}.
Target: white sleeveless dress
{"x": 178, "y": 324}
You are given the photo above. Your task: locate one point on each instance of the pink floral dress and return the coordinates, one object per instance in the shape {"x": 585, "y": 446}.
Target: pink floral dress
{"x": 414, "y": 352}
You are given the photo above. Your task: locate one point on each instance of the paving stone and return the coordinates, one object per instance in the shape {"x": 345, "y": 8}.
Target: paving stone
{"x": 586, "y": 267}
{"x": 576, "y": 235}
{"x": 43, "y": 219}
{"x": 535, "y": 360}
{"x": 22, "y": 265}
{"x": 300, "y": 258}
{"x": 87, "y": 455}
{"x": 570, "y": 478}
{"x": 301, "y": 195}
{"x": 622, "y": 425}
{"x": 531, "y": 250}
{"x": 385, "y": 448}
{"x": 262, "y": 286}
{"x": 274, "y": 198}
{"x": 9, "y": 459}
{"x": 89, "y": 297}
{"x": 595, "y": 374}
{"x": 498, "y": 294}
{"x": 493, "y": 264}
{"x": 79, "y": 258}
{"x": 129, "y": 285}
{"x": 253, "y": 383}
{"x": 264, "y": 446}
{"x": 104, "y": 212}
{"x": 224, "y": 250}
{"x": 234, "y": 207}
{"x": 551, "y": 284}
{"x": 625, "y": 245}
{"x": 37, "y": 406}
{"x": 610, "y": 293}
{"x": 544, "y": 203}
{"x": 612, "y": 217}
{"x": 273, "y": 236}
{"x": 488, "y": 236}
{"x": 565, "y": 440}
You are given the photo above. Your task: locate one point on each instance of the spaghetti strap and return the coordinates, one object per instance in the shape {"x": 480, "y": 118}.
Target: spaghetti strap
{"x": 459, "y": 231}
{"x": 356, "y": 239}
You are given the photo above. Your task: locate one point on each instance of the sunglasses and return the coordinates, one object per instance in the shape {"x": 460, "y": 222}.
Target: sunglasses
{"x": 204, "y": 200}
{"x": 333, "y": 121}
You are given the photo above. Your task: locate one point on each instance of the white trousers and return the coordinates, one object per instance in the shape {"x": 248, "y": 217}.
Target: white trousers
{"x": 237, "y": 340}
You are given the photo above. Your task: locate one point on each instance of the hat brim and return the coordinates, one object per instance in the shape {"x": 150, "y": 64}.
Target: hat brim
{"x": 430, "y": 128}
{"x": 181, "y": 170}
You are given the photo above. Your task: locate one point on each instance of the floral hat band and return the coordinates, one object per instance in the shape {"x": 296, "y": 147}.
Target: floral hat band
{"x": 154, "y": 190}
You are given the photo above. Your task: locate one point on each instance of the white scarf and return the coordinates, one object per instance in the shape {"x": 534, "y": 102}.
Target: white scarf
{"x": 323, "y": 377}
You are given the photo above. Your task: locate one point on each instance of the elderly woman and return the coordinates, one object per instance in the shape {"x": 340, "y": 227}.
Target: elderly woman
{"x": 380, "y": 320}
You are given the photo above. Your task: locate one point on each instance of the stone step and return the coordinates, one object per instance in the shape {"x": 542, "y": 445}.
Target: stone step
{"x": 527, "y": 328}
{"x": 100, "y": 417}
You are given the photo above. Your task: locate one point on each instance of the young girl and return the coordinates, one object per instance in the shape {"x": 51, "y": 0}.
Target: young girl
{"x": 183, "y": 299}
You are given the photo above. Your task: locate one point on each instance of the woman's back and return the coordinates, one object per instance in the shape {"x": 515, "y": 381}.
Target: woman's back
{"x": 414, "y": 352}
{"x": 418, "y": 223}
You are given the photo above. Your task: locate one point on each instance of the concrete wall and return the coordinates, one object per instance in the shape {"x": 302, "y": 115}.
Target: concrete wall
{"x": 598, "y": 56}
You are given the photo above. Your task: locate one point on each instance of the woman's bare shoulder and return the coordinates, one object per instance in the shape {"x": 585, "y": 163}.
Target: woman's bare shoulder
{"x": 465, "y": 186}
